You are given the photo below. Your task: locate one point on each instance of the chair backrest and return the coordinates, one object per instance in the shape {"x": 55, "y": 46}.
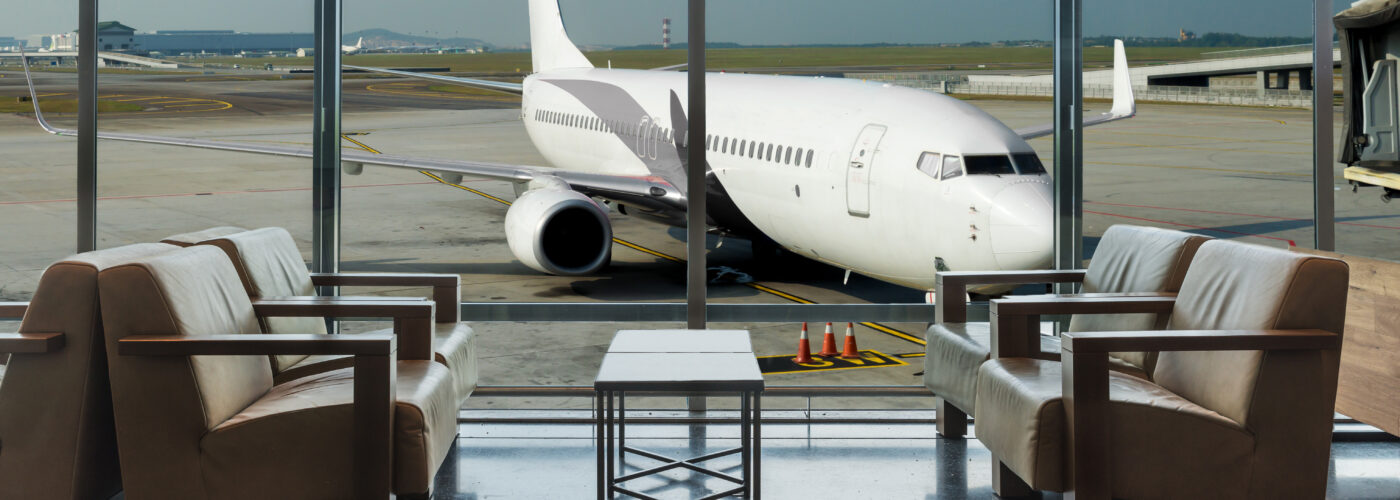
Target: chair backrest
{"x": 1136, "y": 259}
{"x": 193, "y": 238}
{"x": 1284, "y": 398}
{"x": 269, "y": 265}
{"x": 164, "y": 405}
{"x": 56, "y": 433}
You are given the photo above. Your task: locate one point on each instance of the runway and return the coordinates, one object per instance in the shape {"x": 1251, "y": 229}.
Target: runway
{"x": 1220, "y": 171}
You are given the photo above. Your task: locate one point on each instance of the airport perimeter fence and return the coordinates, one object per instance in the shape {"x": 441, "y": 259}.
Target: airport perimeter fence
{"x": 1231, "y": 96}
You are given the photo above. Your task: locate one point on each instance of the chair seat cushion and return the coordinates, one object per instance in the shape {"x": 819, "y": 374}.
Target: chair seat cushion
{"x": 296, "y": 441}
{"x": 1021, "y": 420}
{"x": 955, "y": 351}
{"x": 454, "y": 346}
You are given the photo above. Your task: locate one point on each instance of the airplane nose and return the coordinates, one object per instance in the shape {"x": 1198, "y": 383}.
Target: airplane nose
{"x": 1022, "y": 220}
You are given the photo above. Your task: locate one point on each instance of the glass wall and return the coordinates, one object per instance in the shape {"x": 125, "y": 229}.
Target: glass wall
{"x": 37, "y": 206}
{"x": 1226, "y": 155}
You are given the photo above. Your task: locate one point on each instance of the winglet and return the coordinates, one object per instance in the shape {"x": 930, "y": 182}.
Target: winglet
{"x": 34, "y": 96}
{"x": 1124, "y": 104}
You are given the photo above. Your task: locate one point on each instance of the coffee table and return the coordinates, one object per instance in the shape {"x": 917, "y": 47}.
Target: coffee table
{"x": 678, "y": 362}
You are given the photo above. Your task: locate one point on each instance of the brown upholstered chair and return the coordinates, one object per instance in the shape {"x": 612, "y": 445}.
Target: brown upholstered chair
{"x": 56, "y": 435}
{"x": 193, "y": 238}
{"x": 1129, "y": 259}
{"x": 199, "y": 417}
{"x": 1240, "y": 400}
{"x": 270, "y": 265}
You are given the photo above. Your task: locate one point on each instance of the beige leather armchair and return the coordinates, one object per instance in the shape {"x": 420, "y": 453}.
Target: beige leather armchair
{"x": 269, "y": 265}
{"x": 1129, "y": 259}
{"x": 56, "y": 434}
{"x": 199, "y": 417}
{"x": 1239, "y": 404}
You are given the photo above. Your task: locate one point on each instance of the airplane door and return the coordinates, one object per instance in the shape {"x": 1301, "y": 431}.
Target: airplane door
{"x": 859, "y": 169}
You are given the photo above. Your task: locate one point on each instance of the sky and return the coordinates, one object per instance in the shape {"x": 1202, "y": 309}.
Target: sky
{"x": 632, "y": 22}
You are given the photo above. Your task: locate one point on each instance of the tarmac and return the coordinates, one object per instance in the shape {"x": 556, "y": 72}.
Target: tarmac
{"x": 1226, "y": 172}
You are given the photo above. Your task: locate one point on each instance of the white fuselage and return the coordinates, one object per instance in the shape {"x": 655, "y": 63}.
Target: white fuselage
{"x": 861, "y": 204}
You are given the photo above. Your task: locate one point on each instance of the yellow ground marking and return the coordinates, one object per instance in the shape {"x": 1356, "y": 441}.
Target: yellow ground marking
{"x": 779, "y": 293}
{"x": 139, "y": 99}
{"x": 820, "y": 364}
{"x": 1206, "y": 169}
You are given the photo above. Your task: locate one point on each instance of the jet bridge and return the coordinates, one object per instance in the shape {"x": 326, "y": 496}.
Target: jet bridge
{"x": 1369, "y": 34}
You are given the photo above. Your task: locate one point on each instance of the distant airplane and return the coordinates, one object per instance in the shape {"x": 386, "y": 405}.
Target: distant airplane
{"x": 886, "y": 181}
{"x": 351, "y": 49}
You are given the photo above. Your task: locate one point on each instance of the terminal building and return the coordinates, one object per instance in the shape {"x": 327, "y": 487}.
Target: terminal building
{"x": 220, "y": 41}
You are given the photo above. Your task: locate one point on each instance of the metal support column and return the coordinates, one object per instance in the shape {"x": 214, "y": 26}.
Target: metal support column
{"x": 1324, "y": 195}
{"x": 695, "y": 278}
{"x": 1069, "y": 139}
{"x": 695, "y": 176}
{"x": 87, "y": 125}
{"x": 325, "y": 140}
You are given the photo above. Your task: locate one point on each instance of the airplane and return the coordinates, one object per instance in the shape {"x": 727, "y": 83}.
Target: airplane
{"x": 889, "y": 182}
{"x": 351, "y": 49}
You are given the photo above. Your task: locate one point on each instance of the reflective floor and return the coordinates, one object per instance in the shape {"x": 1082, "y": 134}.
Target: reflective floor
{"x": 825, "y": 460}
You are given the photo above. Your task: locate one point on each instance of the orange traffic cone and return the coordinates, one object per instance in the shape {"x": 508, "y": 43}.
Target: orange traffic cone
{"x": 850, "y": 350}
{"x": 828, "y": 343}
{"x": 804, "y": 347}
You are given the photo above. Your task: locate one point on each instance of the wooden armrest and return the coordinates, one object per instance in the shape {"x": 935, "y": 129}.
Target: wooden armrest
{"x": 1087, "y": 303}
{"x": 446, "y": 287}
{"x": 334, "y": 307}
{"x": 380, "y": 344}
{"x": 951, "y": 287}
{"x": 30, "y": 343}
{"x": 413, "y": 316}
{"x": 1084, "y": 382}
{"x": 13, "y": 309}
{"x": 375, "y": 381}
{"x": 1016, "y": 320}
{"x": 1199, "y": 340}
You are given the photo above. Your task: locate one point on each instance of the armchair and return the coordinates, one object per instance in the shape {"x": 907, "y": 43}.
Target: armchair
{"x": 1239, "y": 404}
{"x": 269, "y": 265}
{"x": 1129, "y": 259}
{"x": 197, "y": 412}
{"x": 56, "y": 434}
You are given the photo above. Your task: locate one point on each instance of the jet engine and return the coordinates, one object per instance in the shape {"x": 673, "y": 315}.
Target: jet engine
{"x": 559, "y": 231}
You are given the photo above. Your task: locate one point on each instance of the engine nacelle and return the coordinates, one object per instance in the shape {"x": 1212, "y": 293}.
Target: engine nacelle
{"x": 559, "y": 231}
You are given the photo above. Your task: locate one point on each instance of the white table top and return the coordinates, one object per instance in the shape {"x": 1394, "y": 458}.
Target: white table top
{"x": 682, "y": 341}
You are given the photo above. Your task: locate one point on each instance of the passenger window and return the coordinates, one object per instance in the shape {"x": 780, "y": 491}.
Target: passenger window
{"x": 787, "y": 157}
{"x": 797, "y": 160}
{"x": 929, "y": 163}
{"x": 770, "y": 152}
{"x": 810, "y": 153}
{"x": 743, "y": 144}
{"x": 752, "y": 145}
{"x": 708, "y": 142}
{"x": 725, "y": 147}
{"x": 952, "y": 167}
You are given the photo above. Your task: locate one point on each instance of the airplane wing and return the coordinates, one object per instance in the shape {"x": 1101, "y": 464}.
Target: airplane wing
{"x": 507, "y": 87}
{"x": 1124, "y": 104}
{"x": 648, "y": 191}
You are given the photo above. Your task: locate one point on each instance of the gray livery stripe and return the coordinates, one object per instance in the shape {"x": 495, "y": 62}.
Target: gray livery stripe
{"x": 610, "y": 102}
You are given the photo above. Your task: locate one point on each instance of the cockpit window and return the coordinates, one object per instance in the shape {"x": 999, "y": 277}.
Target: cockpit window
{"x": 990, "y": 165}
{"x": 952, "y": 167}
{"x": 1028, "y": 164}
{"x": 928, "y": 164}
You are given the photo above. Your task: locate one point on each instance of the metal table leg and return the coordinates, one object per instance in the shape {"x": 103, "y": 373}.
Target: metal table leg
{"x": 622, "y": 432}
{"x": 602, "y": 445}
{"x": 610, "y": 433}
{"x": 757, "y": 444}
{"x": 745, "y": 449}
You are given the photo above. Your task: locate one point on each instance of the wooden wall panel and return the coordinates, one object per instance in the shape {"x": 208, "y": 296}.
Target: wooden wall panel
{"x": 1368, "y": 385}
